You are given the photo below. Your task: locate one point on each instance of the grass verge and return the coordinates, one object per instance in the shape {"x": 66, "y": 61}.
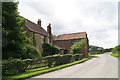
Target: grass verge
{"x": 115, "y": 55}
{"x": 31, "y": 74}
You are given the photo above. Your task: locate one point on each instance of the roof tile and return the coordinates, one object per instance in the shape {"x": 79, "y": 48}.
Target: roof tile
{"x": 35, "y": 28}
{"x": 70, "y": 36}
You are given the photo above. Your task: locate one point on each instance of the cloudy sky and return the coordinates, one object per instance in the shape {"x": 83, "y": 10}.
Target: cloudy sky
{"x": 99, "y": 18}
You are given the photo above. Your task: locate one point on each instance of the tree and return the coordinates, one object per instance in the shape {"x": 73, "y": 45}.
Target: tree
{"x": 49, "y": 49}
{"x": 76, "y": 48}
{"x": 116, "y": 49}
{"x": 13, "y": 35}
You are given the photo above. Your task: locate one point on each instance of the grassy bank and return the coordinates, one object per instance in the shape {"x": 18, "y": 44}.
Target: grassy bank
{"x": 115, "y": 55}
{"x": 31, "y": 74}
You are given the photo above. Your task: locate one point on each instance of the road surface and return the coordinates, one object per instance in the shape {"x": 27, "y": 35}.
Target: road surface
{"x": 101, "y": 66}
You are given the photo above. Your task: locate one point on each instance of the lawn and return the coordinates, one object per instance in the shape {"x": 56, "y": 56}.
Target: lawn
{"x": 38, "y": 72}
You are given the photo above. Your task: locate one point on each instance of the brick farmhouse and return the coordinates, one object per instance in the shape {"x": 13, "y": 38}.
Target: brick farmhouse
{"x": 65, "y": 41}
{"x": 38, "y": 36}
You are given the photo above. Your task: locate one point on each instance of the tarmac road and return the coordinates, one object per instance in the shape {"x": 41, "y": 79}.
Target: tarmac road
{"x": 101, "y": 66}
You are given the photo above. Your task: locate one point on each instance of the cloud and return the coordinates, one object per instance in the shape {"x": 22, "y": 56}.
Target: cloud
{"x": 98, "y": 18}
{"x": 41, "y": 7}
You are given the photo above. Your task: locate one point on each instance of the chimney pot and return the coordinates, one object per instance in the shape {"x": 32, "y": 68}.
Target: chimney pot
{"x": 39, "y": 22}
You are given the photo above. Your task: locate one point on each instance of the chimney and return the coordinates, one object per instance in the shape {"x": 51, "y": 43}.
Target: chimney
{"x": 39, "y": 22}
{"x": 49, "y": 32}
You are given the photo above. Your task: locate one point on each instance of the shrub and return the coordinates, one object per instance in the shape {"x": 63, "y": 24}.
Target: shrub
{"x": 14, "y": 66}
{"x": 27, "y": 51}
{"x": 49, "y": 49}
{"x": 77, "y": 46}
{"x": 31, "y": 52}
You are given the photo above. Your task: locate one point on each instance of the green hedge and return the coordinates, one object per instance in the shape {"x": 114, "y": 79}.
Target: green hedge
{"x": 62, "y": 59}
{"x": 78, "y": 56}
{"x": 14, "y": 66}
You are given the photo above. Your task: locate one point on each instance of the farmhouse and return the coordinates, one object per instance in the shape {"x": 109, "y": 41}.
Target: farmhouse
{"x": 65, "y": 41}
{"x": 37, "y": 34}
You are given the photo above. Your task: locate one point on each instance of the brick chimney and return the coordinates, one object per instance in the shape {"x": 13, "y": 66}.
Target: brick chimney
{"x": 49, "y": 32}
{"x": 39, "y": 22}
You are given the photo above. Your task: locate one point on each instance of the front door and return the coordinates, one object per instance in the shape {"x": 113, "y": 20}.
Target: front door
{"x": 65, "y": 51}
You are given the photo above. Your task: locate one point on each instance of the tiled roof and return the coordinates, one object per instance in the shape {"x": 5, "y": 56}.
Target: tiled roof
{"x": 71, "y": 36}
{"x": 35, "y": 28}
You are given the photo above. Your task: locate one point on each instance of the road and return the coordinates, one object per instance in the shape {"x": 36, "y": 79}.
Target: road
{"x": 101, "y": 66}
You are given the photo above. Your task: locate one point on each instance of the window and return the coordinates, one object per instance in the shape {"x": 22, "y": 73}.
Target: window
{"x": 72, "y": 41}
{"x": 46, "y": 39}
{"x": 42, "y": 39}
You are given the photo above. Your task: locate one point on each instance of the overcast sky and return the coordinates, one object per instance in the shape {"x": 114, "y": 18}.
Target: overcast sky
{"x": 99, "y": 18}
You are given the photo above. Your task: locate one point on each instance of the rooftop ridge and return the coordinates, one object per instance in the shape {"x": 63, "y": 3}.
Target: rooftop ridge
{"x": 71, "y": 36}
{"x": 72, "y": 33}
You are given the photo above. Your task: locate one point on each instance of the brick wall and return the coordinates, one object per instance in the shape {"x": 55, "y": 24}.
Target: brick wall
{"x": 66, "y": 44}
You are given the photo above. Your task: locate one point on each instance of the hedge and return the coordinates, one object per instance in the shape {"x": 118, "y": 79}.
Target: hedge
{"x": 62, "y": 59}
{"x": 16, "y": 66}
{"x": 78, "y": 56}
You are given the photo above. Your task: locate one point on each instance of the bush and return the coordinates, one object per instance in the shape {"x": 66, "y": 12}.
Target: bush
{"x": 28, "y": 51}
{"x": 49, "y": 49}
{"x": 14, "y": 66}
{"x": 31, "y": 52}
{"x": 76, "y": 48}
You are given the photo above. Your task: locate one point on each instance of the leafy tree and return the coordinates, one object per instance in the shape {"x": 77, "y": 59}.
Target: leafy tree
{"x": 107, "y": 50}
{"x": 13, "y": 35}
{"x": 116, "y": 49}
{"x": 49, "y": 49}
{"x": 76, "y": 48}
